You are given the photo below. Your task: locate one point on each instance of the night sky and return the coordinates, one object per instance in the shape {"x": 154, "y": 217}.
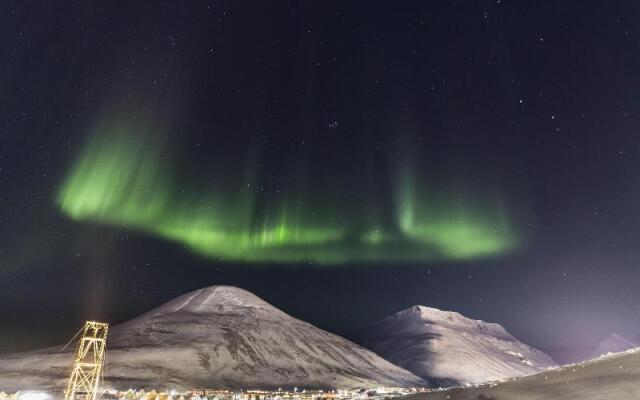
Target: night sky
{"x": 341, "y": 160}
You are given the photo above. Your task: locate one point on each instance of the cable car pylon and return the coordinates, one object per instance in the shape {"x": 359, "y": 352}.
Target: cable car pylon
{"x": 88, "y": 362}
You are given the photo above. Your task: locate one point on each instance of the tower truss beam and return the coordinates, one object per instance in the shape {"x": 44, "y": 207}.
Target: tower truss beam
{"x": 88, "y": 362}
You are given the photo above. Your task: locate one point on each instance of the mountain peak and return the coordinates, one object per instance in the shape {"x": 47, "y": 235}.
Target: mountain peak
{"x": 213, "y": 299}
{"x": 614, "y": 337}
{"x": 208, "y": 302}
{"x": 225, "y": 337}
{"x": 422, "y": 315}
{"x": 425, "y": 311}
{"x": 614, "y": 343}
{"x": 446, "y": 347}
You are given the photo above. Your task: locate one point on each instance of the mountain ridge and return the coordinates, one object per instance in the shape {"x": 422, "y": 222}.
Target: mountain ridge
{"x": 223, "y": 337}
{"x": 447, "y": 348}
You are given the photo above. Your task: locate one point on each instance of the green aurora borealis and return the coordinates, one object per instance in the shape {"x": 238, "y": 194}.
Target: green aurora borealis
{"x": 129, "y": 182}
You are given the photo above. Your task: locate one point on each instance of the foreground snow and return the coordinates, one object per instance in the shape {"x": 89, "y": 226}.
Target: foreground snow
{"x": 608, "y": 377}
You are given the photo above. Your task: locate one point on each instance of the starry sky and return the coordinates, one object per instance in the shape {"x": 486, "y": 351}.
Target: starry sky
{"x": 342, "y": 160}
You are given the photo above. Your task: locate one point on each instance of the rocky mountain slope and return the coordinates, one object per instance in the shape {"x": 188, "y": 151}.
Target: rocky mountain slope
{"x": 217, "y": 337}
{"x": 447, "y": 348}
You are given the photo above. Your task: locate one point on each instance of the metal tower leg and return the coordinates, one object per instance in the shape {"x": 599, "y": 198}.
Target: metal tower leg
{"x": 85, "y": 375}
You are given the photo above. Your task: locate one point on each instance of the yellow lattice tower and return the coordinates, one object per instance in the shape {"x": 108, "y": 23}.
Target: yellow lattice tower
{"x": 87, "y": 366}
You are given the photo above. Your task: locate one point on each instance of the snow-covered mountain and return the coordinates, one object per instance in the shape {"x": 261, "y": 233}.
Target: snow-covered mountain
{"x": 217, "y": 337}
{"x": 612, "y": 377}
{"x": 448, "y": 348}
{"x": 613, "y": 343}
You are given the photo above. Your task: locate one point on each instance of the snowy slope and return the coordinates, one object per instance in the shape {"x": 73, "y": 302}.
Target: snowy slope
{"x": 447, "y": 348}
{"x": 218, "y": 337}
{"x": 614, "y": 343}
{"x": 614, "y": 377}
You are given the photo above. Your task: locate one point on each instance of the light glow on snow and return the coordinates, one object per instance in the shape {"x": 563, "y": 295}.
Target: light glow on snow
{"x": 33, "y": 395}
